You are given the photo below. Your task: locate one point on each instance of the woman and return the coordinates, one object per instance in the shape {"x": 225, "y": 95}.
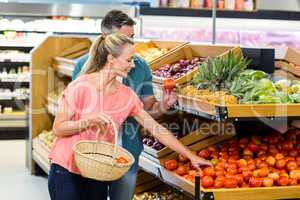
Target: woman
{"x": 83, "y": 109}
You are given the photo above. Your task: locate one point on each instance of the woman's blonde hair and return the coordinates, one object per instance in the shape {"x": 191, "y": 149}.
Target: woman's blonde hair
{"x": 103, "y": 46}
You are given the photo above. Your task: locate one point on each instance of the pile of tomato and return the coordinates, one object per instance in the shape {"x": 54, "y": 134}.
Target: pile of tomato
{"x": 256, "y": 161}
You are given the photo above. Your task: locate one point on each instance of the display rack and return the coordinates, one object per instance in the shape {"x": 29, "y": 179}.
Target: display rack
{"x": 12, "y": 82}
{"x": 49, "y": 82}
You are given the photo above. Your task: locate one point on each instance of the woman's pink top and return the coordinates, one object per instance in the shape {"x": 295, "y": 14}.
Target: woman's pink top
{"x": 83, "y": 100}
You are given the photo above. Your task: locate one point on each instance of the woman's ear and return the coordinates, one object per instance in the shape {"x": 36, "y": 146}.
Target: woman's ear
{"x": 110, "y": 59}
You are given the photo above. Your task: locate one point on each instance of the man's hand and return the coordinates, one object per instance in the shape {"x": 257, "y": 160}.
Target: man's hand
{"x": 169, "y": 98}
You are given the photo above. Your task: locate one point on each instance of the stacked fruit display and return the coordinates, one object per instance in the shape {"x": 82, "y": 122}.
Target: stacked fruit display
{"x": 47, "y": 138}
{"x": 219, "y": 97}
{"x": 225, "y": 80}
{"x": 257, "y": 161}
{"x": 152, "y": 53}
{"x": 179, "y": 69}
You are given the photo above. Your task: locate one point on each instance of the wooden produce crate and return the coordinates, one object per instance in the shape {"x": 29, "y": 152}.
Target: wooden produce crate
{"x": 189, "y": 52}
{"x": 290, "y": 62}
{"x": 40, "y": 154}
{"x": 145, "y": 182}
{"x": 237, "y": 110}
{"x": 170, "y": 46}
{"x": 261, "y": 193}
{"x": 65, "y": 61}
{"x": 192, "y": 129}
{"x": 201, "y": 136}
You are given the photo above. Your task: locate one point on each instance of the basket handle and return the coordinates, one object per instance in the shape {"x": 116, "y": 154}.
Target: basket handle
{"x": 115, "y": 130}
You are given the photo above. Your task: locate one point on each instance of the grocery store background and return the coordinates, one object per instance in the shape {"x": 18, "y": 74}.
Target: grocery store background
{"x": 265, "y": 24}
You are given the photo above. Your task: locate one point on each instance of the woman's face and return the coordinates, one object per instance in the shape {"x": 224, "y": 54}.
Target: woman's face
{"x": 122, "y": 64}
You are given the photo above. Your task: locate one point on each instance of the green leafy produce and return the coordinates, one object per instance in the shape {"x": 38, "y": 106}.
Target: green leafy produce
{"x": 283, "y": 84}
{"x": 295, "y": 97}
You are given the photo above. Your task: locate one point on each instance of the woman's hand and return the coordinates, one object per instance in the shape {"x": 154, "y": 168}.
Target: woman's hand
{"x": 100, "y": 121}
{"x": 197, "y": 161}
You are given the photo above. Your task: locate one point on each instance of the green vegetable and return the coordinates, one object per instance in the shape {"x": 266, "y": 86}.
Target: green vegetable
{"x": 295, "y": 97}
{"x": 283, "y": 84}
{"x": 254, "y": 74}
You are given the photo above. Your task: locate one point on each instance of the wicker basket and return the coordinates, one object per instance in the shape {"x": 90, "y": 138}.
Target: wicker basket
{"x": 97, "y": 160}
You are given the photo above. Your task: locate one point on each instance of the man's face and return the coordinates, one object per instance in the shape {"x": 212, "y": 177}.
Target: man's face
{"x": 127, "y": 30}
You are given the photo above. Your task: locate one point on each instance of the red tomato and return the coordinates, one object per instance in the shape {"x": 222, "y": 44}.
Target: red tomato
{"x": 207, "y": 181}
{"x": 189, "y": 178}
{"x": 219, "y": 167}
{"x": 295, "y": 174}
{"x": 280, "y": 164}
{"x": 279, "y": 156}
{"x": 171, "y": 165}
{"x": 230, "y": 183}
{"x": 181, "y": 170}
{"x": 263, "y": 172}
{"x": 251, "y": 166}
{"x": 209, "y": 171}
{"x": 274, "y": 176}
{"x": 218, "y": 184}
{"x": 255, "y": 181}
{"x": 291, "y": 165}
{"x": 232, "y": 171}
{"x": 169, "y": 84}
{"x": 283, "y": 181}
{"x": 287, "y": 146}
{"x": 221, "y": 178}
{"x": 268, "y": 182}
{"x": 271, "y": 161}
{"x": 122, "y": 160}
{"x": 212, "y": 149}
{"x": 240, "y": 179}
{"x": 253, "y": 147}
{"x": 204, "y": 154}
{"x": 293, "y": 181}
{"x": 220, "y": 173}
{"x": 242, "y": 163}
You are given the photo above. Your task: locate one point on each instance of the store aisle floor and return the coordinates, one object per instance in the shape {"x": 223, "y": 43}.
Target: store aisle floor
{"x": 16, "y": 182}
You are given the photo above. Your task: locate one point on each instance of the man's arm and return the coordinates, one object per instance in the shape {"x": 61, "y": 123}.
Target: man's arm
{"x": 155, "y": 108}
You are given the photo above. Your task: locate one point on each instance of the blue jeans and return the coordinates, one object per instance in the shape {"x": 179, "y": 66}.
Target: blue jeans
{"x": 123, "y": 189}
{"x": 64, "y": 185}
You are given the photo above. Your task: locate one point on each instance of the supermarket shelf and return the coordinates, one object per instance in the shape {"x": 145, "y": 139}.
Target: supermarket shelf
{"x": 188, "y": 12}
{"x": 12, "y": 60}
{"x": 13, "y": 116}
{"x": 40, "y": 154}
{"x": 238, "y": 112}
{"x": 13, "y": 121}
{"x": 14, "y": 80}
{"x": 17, "y": 43}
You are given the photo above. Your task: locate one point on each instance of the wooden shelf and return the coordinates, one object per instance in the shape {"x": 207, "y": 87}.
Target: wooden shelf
{"x": 52, "y": 105}
{"x": 237, "y": 111}
{"x": 40, "y": 154}
{"x": 66, "y": 70}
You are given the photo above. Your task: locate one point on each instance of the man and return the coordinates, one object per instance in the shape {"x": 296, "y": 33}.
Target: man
{"x": 139, "y": 80}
